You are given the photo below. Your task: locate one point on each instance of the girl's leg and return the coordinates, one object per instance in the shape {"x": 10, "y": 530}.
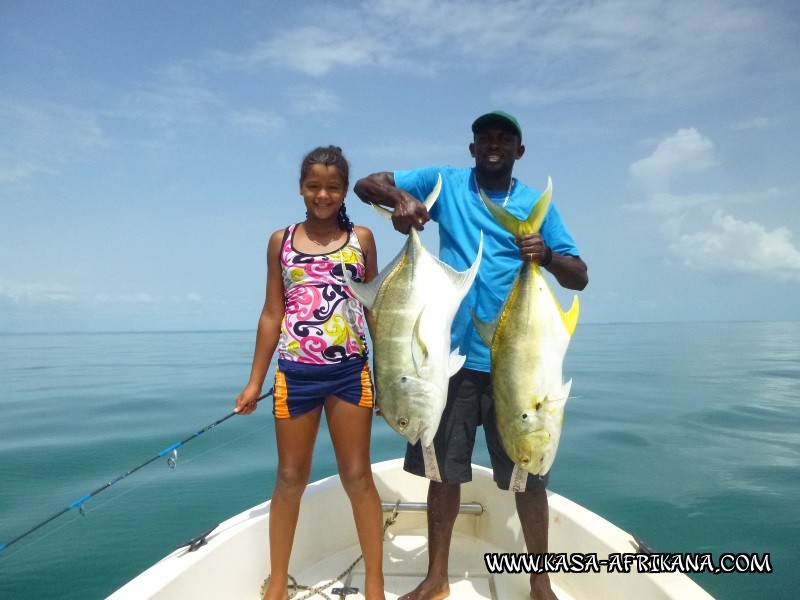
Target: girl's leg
{"x": 295, "y": 437}
{"x": 350, "y": 428}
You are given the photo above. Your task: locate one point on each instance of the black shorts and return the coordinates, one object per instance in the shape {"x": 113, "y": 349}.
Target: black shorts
{"x": 469, "y": 405}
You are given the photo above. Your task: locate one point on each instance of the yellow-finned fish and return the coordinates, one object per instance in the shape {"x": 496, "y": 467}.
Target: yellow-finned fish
{"x": 413, "y": 302}
{"x": 528, "y": 341}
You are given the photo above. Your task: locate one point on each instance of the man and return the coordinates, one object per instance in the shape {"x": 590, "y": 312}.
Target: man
{"x": 496, "y": 146}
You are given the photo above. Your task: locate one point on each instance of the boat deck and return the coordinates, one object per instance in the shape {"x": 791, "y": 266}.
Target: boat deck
{"x": 405, "y": 564}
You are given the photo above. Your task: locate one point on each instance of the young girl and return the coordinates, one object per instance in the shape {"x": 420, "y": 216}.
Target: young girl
{"x": 319, "y": 331}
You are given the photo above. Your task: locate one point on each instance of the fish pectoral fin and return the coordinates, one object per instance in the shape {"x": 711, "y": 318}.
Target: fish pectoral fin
{"x": 419, "y": 350}
{"x": 570, "y": 318}
{"x": 565, "y": 390}
{"x": 455, "y": 362}
{"x": 556, "y": 405}
{"x": 485, "y": 329}
{"x": 366, "y": 293}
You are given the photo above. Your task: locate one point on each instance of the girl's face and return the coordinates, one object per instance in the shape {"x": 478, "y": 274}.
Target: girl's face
{"x": 323, "y": 191}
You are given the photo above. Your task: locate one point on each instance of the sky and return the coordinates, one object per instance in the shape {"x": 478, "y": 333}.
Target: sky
{"x": 149, "y": 148}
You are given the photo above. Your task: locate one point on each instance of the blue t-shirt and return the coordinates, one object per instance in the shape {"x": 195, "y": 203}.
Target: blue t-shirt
{"x": 461, "y": 216}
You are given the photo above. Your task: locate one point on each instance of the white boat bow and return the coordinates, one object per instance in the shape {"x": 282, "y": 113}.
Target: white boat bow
{"x": 234, "y": 561}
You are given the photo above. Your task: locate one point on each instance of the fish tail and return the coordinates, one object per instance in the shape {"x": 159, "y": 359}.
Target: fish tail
{"x": 518, "y": 227}
{"x": 429, "y": 201}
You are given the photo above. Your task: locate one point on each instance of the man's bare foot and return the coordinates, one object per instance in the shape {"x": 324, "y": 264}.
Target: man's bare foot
{"x": 540, "y": 587}
{"x": 429, "y": 590}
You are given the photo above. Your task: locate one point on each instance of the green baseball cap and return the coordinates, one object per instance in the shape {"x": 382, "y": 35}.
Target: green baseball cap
{"x": 494, "y": 117}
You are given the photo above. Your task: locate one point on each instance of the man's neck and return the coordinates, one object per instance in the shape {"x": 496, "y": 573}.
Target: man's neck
{"x": 494, "y": 183}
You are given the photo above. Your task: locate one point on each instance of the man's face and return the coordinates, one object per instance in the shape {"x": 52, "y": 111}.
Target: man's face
{"x": 495, "y": 149}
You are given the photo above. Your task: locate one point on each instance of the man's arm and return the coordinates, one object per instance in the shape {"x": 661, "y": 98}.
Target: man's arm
{"x": 407, "y": 211}
{"x": 570, "y": 271}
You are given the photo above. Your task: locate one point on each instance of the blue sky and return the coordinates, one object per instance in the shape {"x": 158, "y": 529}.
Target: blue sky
{"x": 149, "y": 148}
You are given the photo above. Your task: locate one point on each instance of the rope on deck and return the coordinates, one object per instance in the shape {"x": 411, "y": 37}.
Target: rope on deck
{"x": 312, "y": 591}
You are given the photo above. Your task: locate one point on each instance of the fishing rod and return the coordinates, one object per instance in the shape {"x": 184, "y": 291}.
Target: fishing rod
{"x": 171, "y": 462}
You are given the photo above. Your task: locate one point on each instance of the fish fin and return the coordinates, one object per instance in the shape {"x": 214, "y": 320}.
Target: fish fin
{"x": 485, "y": 329}
{"x": 462, "y": 280}
{"x": 565, "y": 390}
{"x": 382, "y": 211}
{"x": 558, "y": 404}
{"x": 429, "y": 201}
{"x": 570, "y": 318}
{"x": 516, "y": 226}
{"x": 367, "y": 293}
{"x": 419, "y": 351}
{"x": 455, "y": 362}
{"x": 434, "y": 195}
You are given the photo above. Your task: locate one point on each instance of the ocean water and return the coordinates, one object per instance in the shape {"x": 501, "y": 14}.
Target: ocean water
{"x": 687, "y": 435}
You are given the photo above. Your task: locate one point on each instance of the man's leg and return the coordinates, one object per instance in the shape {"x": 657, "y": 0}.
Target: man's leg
{"x": 444, "y": 500}
{"x": 534, "y": 516}
{"x": 453, "y": 451}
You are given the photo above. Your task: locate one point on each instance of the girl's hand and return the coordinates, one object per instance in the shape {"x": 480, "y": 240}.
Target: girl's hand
{"x": 246, "y": 400}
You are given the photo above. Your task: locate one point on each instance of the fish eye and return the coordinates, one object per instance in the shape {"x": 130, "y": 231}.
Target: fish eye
{"x": 525, "y": 461}
{"x": 402, "y": 422}
{"x": 525, "y": 417}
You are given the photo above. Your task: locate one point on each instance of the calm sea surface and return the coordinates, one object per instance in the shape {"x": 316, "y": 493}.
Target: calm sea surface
{"x": 687, "y": 435}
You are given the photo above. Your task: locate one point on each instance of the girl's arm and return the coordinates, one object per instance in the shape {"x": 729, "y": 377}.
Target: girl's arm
{"x": 367, "y": 241}
{"x": 269, "y": 328}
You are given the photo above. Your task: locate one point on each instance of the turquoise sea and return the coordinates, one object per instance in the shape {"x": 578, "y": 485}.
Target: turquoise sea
{"x": 687, "y": 435}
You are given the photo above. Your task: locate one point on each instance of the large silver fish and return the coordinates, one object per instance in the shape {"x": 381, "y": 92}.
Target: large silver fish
{"x": 528, "y": 341}
{"x": 413, "y": 302}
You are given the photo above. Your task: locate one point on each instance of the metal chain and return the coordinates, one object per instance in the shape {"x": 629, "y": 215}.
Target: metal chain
{"x": 312, "y": 591}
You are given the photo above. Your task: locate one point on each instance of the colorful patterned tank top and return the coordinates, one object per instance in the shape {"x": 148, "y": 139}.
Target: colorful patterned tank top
{"x": 323, "y": 323}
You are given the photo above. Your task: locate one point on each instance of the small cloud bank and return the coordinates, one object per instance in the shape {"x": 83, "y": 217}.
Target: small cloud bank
{"x": 735, "y": 246}
{"x": 719, "y": 242}
{"x": 39, "y": 294}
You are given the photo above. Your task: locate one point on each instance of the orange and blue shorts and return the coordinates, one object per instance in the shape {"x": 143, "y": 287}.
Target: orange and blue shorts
{"x": 302, "y": 387}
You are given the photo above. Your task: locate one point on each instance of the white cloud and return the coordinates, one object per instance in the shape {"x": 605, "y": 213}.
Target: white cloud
{"x": 35, "y": 293}
{"x": 305, "y": 101}
{"x": 725, "y": 244}
{"x": 686, "y": 151}
{"x": 257, "y": 121}
{"x": 618, "y": 49}
{"x": 735, "y": 246}
{"x": 667, "y": 203}
{"x": 757, "y": 123}
{"x": 43, "y": 137}
{"x": 39, "y": 293}
{"x": 314, "y": 50}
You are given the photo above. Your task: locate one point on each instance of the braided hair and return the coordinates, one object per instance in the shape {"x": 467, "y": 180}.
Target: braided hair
{"x": 330, "y": 156}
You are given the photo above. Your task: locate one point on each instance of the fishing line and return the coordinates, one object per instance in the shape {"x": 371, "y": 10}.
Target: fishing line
{"x": 171, "y": 450}
{"x": 113, "y": 499}
{"x": 161, "y": 474}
